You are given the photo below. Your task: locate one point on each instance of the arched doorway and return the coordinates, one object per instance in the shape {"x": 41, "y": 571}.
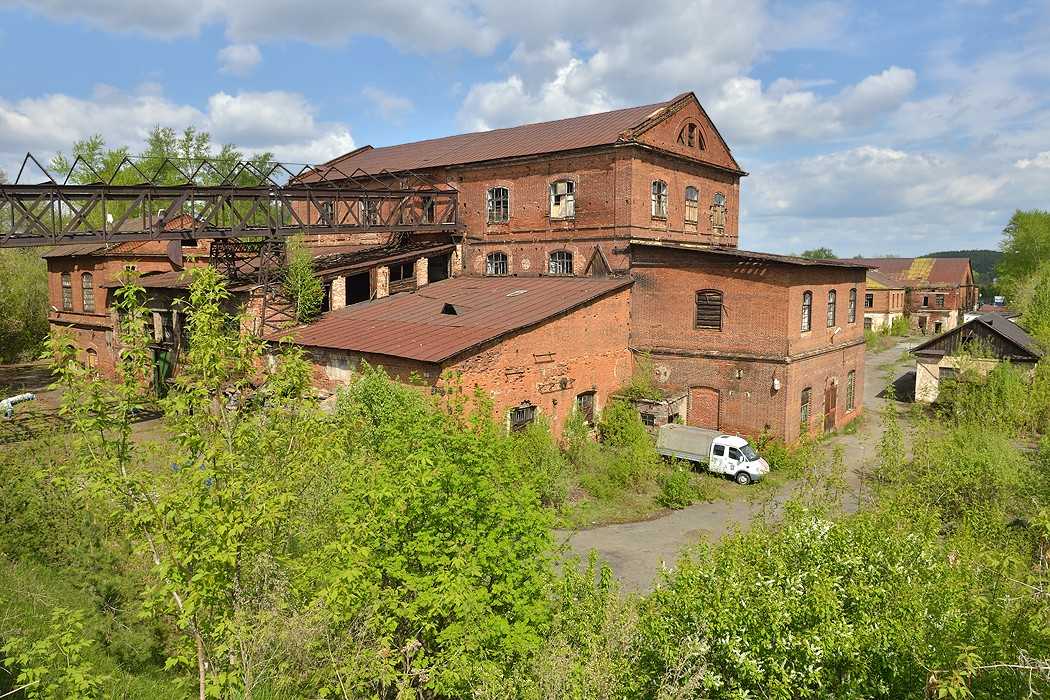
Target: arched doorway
{"x": 703, "y": 407}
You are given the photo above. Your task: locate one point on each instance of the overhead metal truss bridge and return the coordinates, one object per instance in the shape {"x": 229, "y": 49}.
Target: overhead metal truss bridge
{"x": 214, "y": 199}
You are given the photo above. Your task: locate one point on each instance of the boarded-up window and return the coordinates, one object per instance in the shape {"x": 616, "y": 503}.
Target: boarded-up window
{"x": 498, "y": 205}
{"x": 807, "y": 311}
{"x": 496, "y": 264}
{"x": 585, "y": 405}
{"x": 851, "y": 389}
{"x": 87, "y": 292}
{"x": 521, "y": 416}
{"x": 692, "y": 205}
{"x": 806, "y": 394}
{"x": 67, "y": 292}
{"x": 718, "y": 213}
{"x": 563, "y": 199}
{"x": 659, "y": 199}
{"x": 709, "y": 309}
{"x": 560, "y": 263}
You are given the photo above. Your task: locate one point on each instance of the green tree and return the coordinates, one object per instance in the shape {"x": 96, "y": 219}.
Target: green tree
{"x": 1025, "y": 246}
{"x": 301, "y": 284}
{"x": 819, "y": 254}
{"x": 23, "y": 304}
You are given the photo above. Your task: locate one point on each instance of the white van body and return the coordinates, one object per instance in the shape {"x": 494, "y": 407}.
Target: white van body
{"x": 730, "y": 455}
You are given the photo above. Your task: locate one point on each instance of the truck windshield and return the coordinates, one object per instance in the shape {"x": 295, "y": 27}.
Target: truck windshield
{"x": 749, "y": 453}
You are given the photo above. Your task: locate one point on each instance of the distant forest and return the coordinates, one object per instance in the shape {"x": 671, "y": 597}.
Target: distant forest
{"x": 984, "y": 263}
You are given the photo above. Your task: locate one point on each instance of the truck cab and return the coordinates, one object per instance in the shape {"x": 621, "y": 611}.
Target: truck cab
{"x": 729, "y": 455}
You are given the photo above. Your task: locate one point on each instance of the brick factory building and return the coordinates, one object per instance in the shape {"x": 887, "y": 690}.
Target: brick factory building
{"x": 938, "y": 291}
{"x": 580, "y": 244}
{"x": 883, "y": 302}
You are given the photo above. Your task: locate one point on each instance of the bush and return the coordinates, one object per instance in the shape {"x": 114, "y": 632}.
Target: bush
{"x": 792, "y": 460}
{"x": 541, "y": 462}
{"x": 642, "y": 384}
{"x": 1004, "y": 398}
{"x": 676, "y": 488}
{"x": 900, "y": 327}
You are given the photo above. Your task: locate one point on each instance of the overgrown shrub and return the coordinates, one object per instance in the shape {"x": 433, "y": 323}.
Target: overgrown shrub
{"x": 1005, "y": 398}
{"x": 542, "y": 462}
{"x": 676, "y": 488}
{"x": 642, "y": 384}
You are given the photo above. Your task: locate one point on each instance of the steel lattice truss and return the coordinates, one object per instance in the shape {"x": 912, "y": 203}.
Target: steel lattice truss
{"x": 211, "y": 199}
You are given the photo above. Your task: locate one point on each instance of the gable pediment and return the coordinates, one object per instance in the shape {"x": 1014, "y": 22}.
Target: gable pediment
{"x": 686, "y": 130}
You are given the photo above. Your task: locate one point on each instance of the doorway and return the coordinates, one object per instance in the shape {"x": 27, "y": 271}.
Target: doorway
{"x": 830, "y": 398}
{"x": 703, "y": 407}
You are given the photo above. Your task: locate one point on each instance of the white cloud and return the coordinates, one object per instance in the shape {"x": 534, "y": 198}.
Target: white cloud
{"x": 239, "y": 59}
{"x": 390, "y": 106}
{"x": 1041, "y": 160}
{"x": 277, "y": 121}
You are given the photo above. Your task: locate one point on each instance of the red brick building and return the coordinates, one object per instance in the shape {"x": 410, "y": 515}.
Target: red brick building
{"x": 938, "y": 291}
{"x": 884, "y": 301}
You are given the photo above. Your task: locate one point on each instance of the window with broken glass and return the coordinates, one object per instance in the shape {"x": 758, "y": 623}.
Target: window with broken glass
{"x": 585, "y": 405}
{"x": 692, "y": 205}
{"x": 659, "y": 199}
{"x": 521, "y": 417}
{"x": 371, "y": 212}
{"x": 498, "y": 205}
{"x": 67, "y": 292}
{"x": 496, "y": 264}
{"x": 87, "y": 292}
{"x": 563, "y": 199}
{"x": 560, "y": 263}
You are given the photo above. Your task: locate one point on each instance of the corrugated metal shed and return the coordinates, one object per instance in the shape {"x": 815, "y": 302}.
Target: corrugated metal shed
{"x": 447, "y": 318}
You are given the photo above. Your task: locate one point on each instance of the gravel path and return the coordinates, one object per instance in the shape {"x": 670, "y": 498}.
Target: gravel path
{"x": 638, "y": 551}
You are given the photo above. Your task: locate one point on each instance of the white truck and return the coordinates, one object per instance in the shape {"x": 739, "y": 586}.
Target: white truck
{"x": 728, "y": 455}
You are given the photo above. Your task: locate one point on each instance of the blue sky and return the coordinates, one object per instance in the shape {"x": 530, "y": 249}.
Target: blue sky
{"x": 871, "y": 128}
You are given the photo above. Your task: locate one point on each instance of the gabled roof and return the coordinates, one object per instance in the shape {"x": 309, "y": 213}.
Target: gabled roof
{"x": 1026, "y": 346}
{"x": 605, "y": 128}
{"x": 923, "y": 271}
{"x": 445, "y": 319}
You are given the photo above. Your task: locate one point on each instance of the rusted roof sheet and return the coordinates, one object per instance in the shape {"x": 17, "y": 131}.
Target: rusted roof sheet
{"x": 179, "y": 279}
{"x": 877, "y": 280}
{"x": 526, "y": 140}
{"x": 923, "y": 271}
{"x": 413, "y": 325}
{"x": 748, "y": 254}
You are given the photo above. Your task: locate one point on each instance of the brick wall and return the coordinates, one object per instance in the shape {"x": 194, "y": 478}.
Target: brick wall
{"x": 886, "y": 301}
{"x": 818, "y": 373}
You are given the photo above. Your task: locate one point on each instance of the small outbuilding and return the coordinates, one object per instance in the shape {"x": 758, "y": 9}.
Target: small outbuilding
{"x": 980, "y": 344}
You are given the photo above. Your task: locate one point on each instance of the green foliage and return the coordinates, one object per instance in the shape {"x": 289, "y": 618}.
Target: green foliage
{"x": 301, "y": 284}
{"x": 23, "y": 304}
{"x": 642, "y": 384}
{"x": 792, "y": 460}
{"x": 541, "y": 462}
{"x": 899, "y": 327}
{"x": 1031, "y": 296}
{"x": 1005, "y": 398}
{"x": 818, "y": 254}
{"x": 676, "y": 487}
{"x": 54, "y": 665}
{"x": 1025, "y": 246}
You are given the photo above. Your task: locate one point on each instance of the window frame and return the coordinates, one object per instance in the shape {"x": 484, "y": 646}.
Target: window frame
{"x": 806, "y": 408}
{"x": 832, "y": 311}
{"x": 658, "y": 199}
{"x": 851, "y": 390}
{"x": 851, "y": 312}
{"x": 569, "y": 258}
{"x": 939, "y": 298}
{"x": 493, "y": 258}
{"x": 692, "y": 206}
{"x": 710, "y": 294}
{"x": 568, "y": 196}
{"x": 807, "y": 311}
{"x": 66, "y": 284}
{"x": 528, "y": 413}
{"x": 87, "y": 292}
{"x": 869, "y": 300}
{"x": 495, "y": 206}
{"x": 587, "y": 411}
{"x": 648, "y": 419}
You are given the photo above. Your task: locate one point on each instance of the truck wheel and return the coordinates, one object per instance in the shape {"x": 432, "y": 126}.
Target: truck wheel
{"x": 743, "y": 478}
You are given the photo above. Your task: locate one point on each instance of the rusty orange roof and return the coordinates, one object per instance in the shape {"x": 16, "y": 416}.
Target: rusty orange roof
{"x": 421, "y": 326}
{"x": 923, "y": 271}
{"x": 526, "y": 140}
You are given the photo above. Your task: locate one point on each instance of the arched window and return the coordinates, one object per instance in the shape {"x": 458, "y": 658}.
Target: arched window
{"x": 560, "y": 263}
{"x": 832, "y": 298}
{"x": 496, "y": 264}
{"x": 659, "y": 199}
{"x": 807, "y": 311}
{"x": 718, "y": 213}
{"x": 692, "y": 205}
{"x": 563, "y": 199}
{"x": 709, "y": 309}
{"x": 497, "y": 205}
{"x": 853, "y": 305}
{"x": 691, "y": 137}
{"x": 67, "y": 292}
{"x": 87, "y": 292}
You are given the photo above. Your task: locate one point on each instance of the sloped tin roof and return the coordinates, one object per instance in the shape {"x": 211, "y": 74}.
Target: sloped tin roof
{"x": 418, "y": 325}
{"x": 921, "y": 271}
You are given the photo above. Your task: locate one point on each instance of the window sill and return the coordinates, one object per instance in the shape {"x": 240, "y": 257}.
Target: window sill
{"x": 562, "y": 218}
{"x": 658, "y": 218}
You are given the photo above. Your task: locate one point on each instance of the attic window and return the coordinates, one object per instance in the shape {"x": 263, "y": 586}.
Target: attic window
{"x": 690, "y": 136}
{"x": 449, "y": 310}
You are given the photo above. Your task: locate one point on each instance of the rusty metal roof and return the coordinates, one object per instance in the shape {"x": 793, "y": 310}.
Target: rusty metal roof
{"x": 923, "y": 271}
{"x": 419, "y": 325}
{"x": 748, "y": 254}
{"x": 526, "y": 140}
{"x": 877, "y": 280}
{"x": 178, "y": 279}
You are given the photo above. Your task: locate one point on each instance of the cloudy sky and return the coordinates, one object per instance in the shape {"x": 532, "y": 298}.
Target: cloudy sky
{"x": 872, "y": 128}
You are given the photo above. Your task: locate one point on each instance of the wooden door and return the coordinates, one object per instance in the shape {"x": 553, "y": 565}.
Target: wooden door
{"x": 830, "y": 396}
{"x": 703, "y": 407}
